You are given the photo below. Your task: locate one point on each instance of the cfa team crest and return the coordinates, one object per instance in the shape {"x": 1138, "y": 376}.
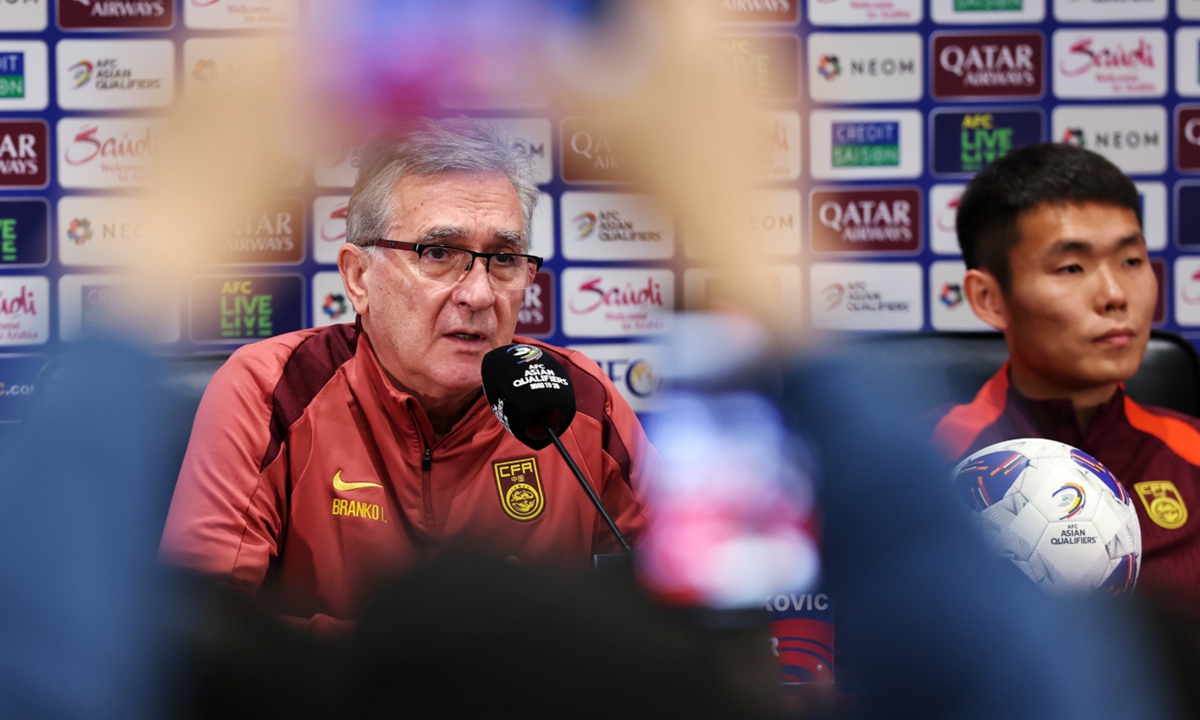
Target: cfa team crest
{"x": 1163, "y": 503}
{"x": 520, "y": 488}
{"x": 525, "y": 353}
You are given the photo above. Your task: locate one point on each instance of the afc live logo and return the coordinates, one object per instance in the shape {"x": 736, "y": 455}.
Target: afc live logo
{"x": 966, "y": 142}
{"x": 24, "y": 232}
{"x": 242, "y": 309}
{"x": 764, "y": 67}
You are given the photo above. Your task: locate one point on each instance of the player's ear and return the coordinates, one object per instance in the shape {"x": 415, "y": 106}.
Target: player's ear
{"x": 986, "y": 298}
{"x": 354, "y": 263}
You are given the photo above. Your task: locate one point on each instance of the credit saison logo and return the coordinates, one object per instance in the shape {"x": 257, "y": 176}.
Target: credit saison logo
{"x": 967, "y": 142}
{"x": 226, "y": 309}
{"x": 988, "y": 5}
{"x": 988, "y": 65}
{"x": 867, "y": 220}
{"x": 866, "y": 144}
{"x": 12, "y": 75}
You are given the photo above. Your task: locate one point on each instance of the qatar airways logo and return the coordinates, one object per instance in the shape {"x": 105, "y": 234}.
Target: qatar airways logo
{"x": 610, "y": 303}
{"x": 1111, "y": 63}
{"x": 109, "y": 153}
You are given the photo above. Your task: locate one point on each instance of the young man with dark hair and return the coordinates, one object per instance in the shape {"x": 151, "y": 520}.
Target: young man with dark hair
{"x": 1052, "y": 239}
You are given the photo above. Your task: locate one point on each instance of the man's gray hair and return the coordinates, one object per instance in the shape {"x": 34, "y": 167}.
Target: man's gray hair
{"x": 427, "y": 147}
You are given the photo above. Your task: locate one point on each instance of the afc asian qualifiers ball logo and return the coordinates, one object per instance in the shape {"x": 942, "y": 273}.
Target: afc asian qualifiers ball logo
{"x": 520, "y": 488}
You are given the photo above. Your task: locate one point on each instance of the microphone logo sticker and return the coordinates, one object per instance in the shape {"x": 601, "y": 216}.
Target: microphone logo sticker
{"x": 520, "y": 488}
{"x": 539, "y": 377}
{"x": 525, "y": 353}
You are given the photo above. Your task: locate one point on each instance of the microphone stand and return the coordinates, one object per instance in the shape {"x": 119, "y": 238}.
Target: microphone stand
{"x": 587, "y": 488}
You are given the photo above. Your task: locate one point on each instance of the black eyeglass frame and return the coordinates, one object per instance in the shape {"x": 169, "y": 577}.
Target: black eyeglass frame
{"x": 420, "y": 248}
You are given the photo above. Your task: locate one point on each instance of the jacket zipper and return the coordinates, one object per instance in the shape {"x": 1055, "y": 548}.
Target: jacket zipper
{"x": 426, "y": 483}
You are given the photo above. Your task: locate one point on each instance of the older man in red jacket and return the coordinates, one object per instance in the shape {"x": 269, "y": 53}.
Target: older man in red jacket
{"x": 324, "y": 458}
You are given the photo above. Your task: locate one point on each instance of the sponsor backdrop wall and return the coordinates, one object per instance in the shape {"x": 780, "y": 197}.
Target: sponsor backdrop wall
{"x": 882, "y": 110}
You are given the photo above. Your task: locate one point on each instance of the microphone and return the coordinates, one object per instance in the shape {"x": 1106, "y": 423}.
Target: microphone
{"x": 533, "y": 399}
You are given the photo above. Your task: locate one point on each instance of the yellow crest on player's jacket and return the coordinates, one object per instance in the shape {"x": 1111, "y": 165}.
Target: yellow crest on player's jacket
{"x": 1163, "y": 503}
{"x": 520, "y": 488}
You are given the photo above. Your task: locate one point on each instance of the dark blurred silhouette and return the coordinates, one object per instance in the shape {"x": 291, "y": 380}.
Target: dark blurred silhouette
{"x": 475, "y": 637}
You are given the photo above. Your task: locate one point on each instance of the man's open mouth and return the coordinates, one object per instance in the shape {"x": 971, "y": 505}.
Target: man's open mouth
{"x": 466, "y": 336}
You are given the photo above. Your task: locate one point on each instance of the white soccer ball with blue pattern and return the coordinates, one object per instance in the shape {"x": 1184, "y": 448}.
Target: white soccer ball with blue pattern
{"x": 1056, "y": 512}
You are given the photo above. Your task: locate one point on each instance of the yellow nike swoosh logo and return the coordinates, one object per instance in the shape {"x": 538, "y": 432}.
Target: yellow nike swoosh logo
{"x": 341, "y": 486}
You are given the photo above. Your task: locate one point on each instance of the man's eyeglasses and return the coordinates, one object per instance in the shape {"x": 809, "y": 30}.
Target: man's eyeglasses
{"x": 505, "y": 271}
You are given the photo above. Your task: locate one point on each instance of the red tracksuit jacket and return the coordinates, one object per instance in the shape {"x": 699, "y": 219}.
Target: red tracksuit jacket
{"x": 1154, "y": 452}
{"x": 305, "y": 462}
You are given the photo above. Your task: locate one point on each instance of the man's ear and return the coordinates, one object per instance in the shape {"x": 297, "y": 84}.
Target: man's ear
{"x": 986, "y": 298}
{"x": 354, "y": 263}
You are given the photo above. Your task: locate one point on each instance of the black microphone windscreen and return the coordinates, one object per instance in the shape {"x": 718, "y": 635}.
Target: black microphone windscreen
{"x": 528, "y": 390}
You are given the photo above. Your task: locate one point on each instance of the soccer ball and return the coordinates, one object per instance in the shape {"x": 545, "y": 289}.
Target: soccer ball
{"x": 1056, "y": 512}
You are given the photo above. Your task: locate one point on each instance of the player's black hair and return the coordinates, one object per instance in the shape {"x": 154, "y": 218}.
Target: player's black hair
{"x": 1054, "y": 173}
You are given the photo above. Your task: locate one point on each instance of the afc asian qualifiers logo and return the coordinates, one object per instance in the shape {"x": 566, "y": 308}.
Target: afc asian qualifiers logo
{"x": 973, "y": 65}
{"x": 520, "y": 488}
{"x": 116, "y": 14}
{"x": 866, "y": 220}
{"x": 966, "y": 142}
{"x": 1163, "y": 502}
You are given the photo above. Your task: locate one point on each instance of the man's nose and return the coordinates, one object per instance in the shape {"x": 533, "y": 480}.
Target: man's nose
{"x": 1112, "y": 294}
{"x": 475, "y": 288}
